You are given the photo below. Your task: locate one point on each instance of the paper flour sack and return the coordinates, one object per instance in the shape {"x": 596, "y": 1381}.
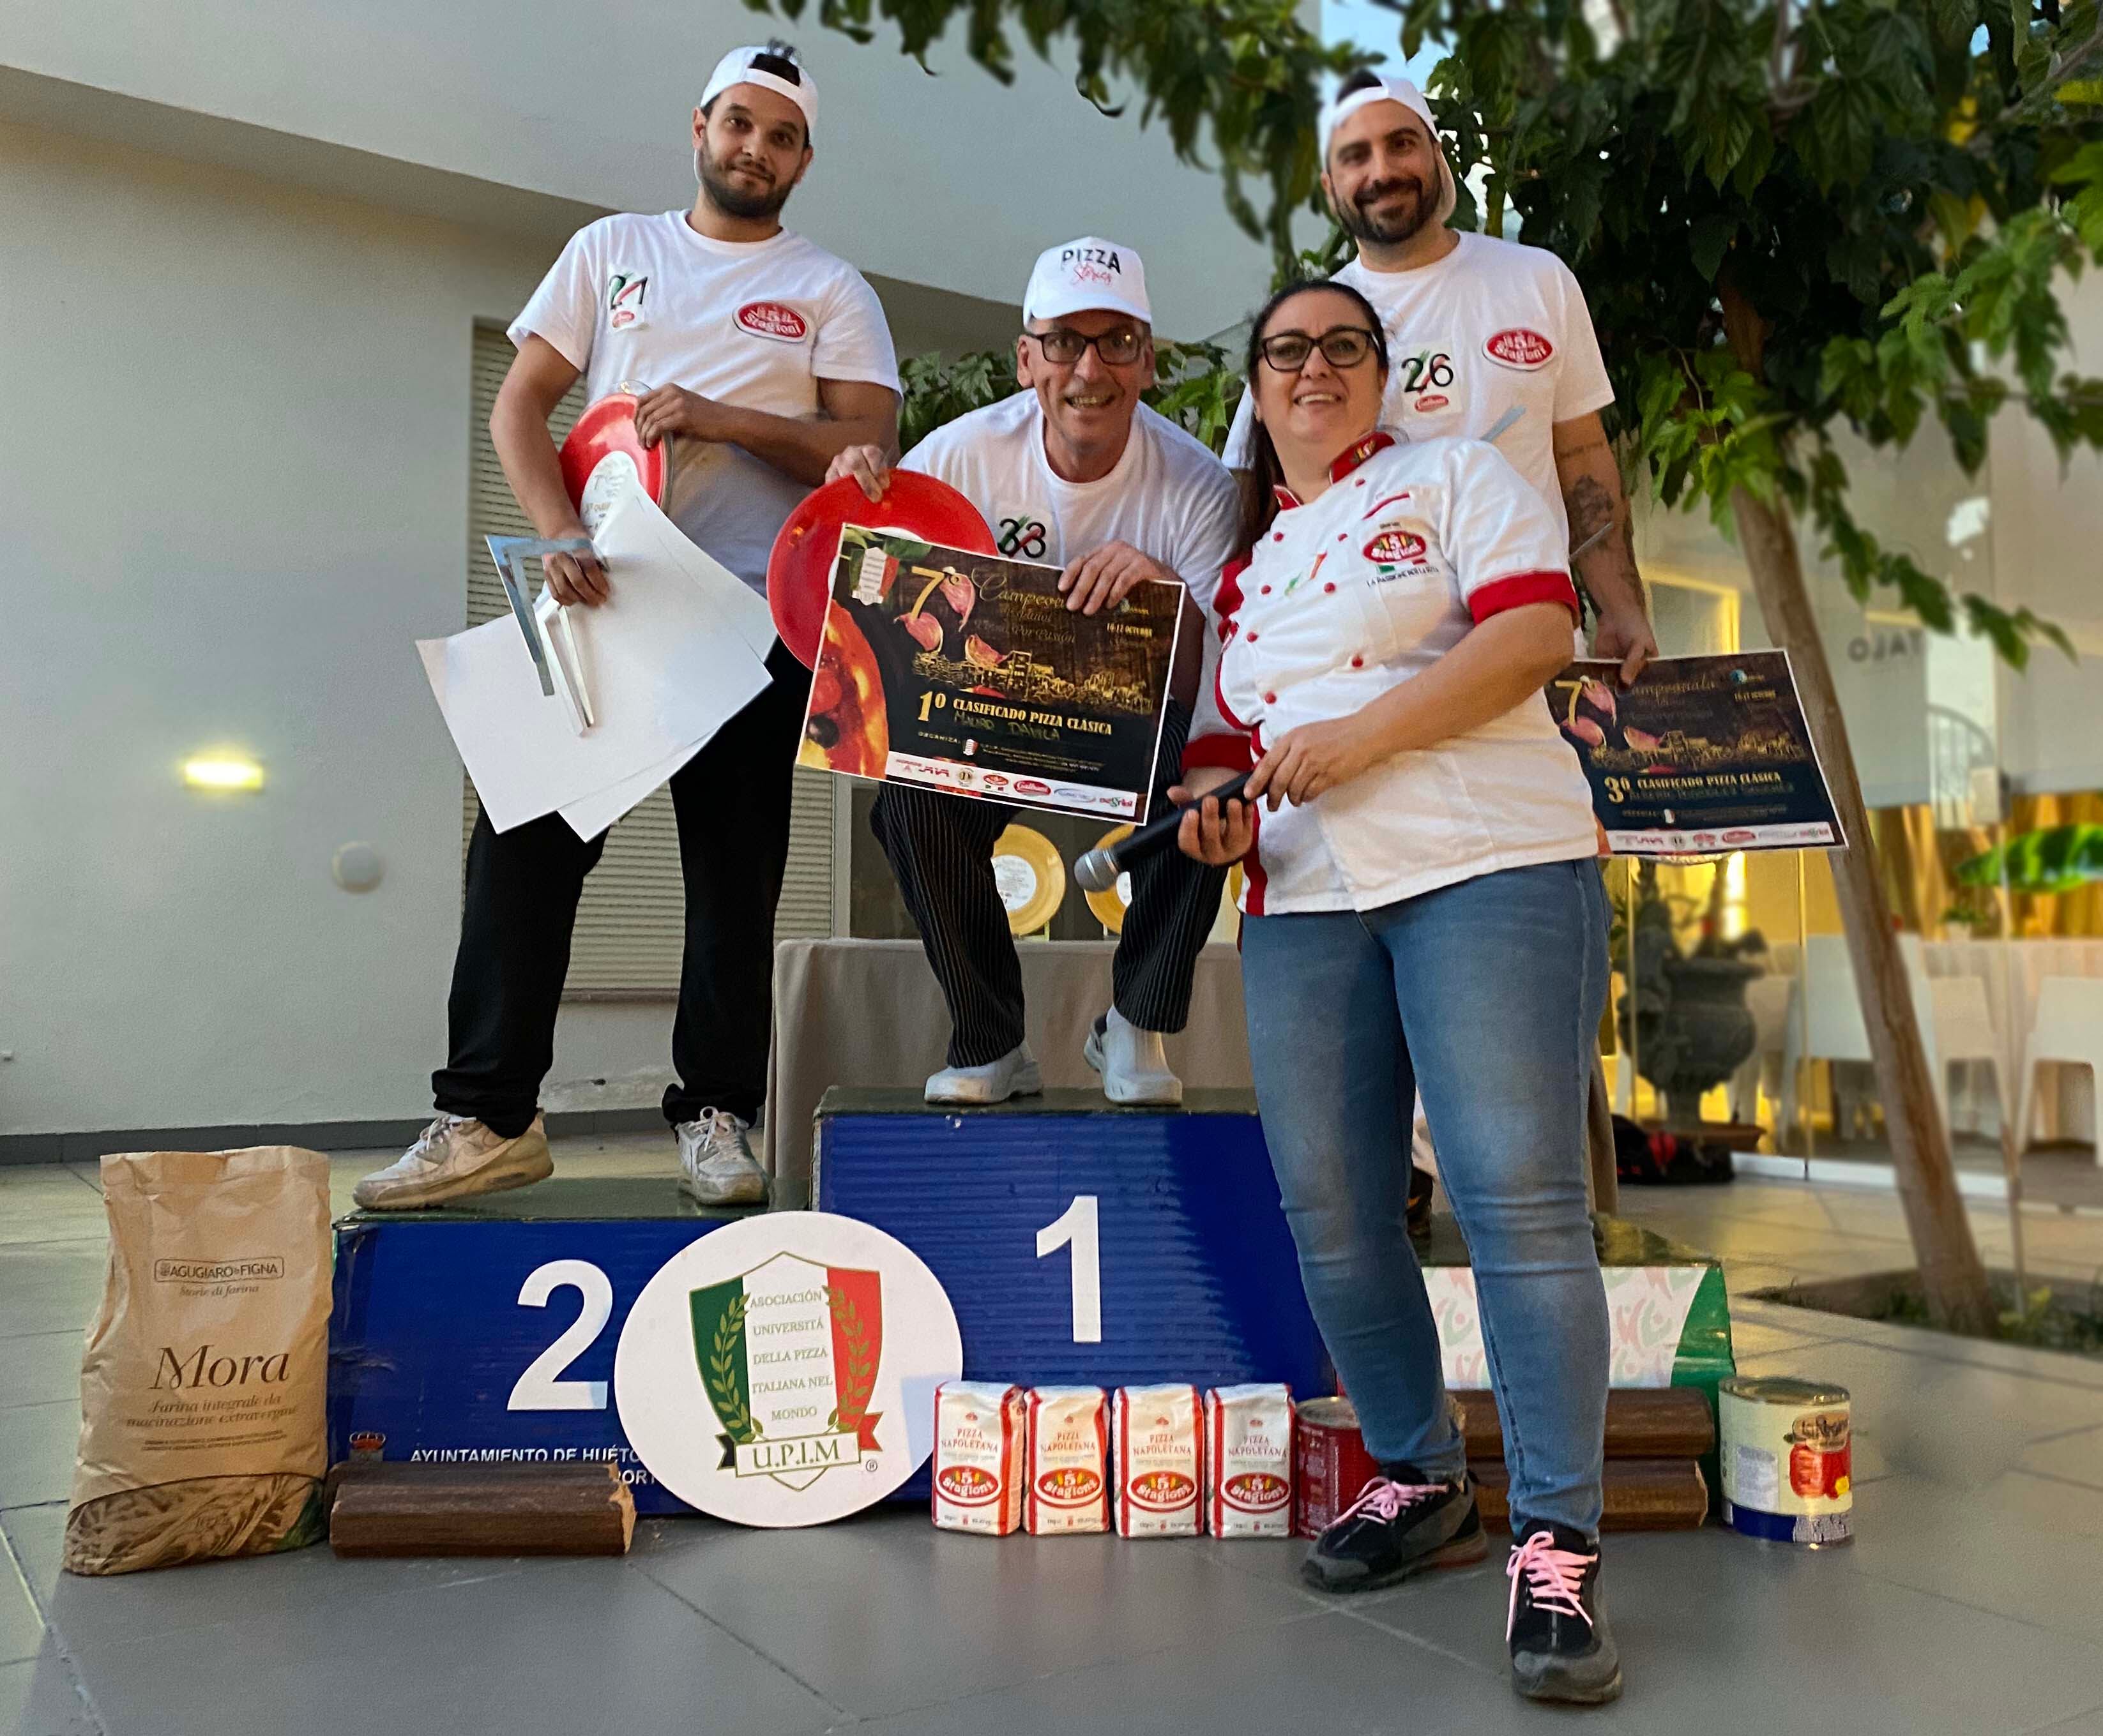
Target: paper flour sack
{"x": 206, "y": 1370}
{"x": 981, "y": 1444}
{"x": 1248, "y": 1461}
{"x": 1158, "y": 1440}
{"x": 1068, "y": 1432}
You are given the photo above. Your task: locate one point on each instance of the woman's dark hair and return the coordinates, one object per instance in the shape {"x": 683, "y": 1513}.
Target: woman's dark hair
{"x": 1265, "y": 474}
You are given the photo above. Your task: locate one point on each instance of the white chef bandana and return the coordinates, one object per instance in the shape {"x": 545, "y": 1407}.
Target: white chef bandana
{"x": 737, "y": 67}
{"x": 1394, "y": 90}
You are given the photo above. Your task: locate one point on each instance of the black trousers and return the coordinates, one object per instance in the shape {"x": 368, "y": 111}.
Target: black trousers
{"x": 731, "y": 801}
{"x": 941, "y": 848}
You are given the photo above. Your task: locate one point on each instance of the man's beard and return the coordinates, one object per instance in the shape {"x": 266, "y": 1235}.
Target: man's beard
{"x": 729, "y": 199}
{"x": 1361, "y": 225}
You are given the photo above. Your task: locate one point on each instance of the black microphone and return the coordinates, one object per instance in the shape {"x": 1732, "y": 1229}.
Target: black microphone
{"x": 1098, "y": 870}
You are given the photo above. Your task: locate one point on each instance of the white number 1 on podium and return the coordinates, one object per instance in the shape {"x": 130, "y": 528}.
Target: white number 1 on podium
{"x": 1075, "y": 1228}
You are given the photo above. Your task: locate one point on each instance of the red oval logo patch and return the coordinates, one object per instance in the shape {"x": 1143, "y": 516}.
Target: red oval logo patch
{"x": 1256, "y": 1491}
{"x": 1739, "y": 838}
{"x": 1161, "y": 1491}
{"x": 1031, "y": 787}
{"x": 1392, "y": 548}
{"x": 967, "y": 1486}
{"x": 1071, "y": 1485}
{"x": 773, "y": 319}
{"x": 1517, "y": 347}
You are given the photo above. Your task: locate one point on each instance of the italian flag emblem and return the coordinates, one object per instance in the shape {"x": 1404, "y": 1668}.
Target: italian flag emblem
{"x": 788, "y": 1355}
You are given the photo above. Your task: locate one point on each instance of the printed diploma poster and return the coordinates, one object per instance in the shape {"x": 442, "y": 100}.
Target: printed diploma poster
{"x": 1701, "y": 755}
{"x": 966, "y": 672}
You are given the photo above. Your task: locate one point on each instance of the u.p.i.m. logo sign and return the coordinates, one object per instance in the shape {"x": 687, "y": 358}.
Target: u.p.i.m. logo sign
{"x": 781, "y": 1371}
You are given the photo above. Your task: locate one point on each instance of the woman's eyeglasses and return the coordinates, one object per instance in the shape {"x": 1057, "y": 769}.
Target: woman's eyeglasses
{"x": 1119, "y": 347}
{"x": 1341, "y": 347}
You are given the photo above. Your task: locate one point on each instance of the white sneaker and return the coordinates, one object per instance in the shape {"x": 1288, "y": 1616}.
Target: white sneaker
{"x": 1014, "y": 1075}
{"x": 1134, "y": 1066}
{"x": 456, "y": 1157}
{"x": 717, "y": 1166}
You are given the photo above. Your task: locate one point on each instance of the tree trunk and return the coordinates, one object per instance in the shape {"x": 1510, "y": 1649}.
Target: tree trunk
{"x": 1953, "y": 1279}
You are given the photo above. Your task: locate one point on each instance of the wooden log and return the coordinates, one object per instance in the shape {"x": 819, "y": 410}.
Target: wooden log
{"x": 397, "y": 1509}
{"x": 1641, "y": 1494}
{"x": 1641, "y": 1423}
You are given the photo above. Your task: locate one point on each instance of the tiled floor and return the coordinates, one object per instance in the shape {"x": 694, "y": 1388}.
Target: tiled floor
{"x": 1969, "y": 1602}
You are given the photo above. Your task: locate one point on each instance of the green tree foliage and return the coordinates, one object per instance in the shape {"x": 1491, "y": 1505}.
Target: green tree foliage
{"x": 1791, "y": 217}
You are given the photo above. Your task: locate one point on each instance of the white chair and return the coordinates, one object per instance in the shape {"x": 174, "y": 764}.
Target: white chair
{"x": 1963, "y": 1031}
{"x": 1824, "y": 1017}
{"x": 2070, "y": 1030}
{"x": 1766, "y": 999}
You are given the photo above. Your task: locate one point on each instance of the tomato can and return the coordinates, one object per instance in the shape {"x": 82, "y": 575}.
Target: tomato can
{"x": 1331, "y": 1465}
{"x": 1787, "y": 1450}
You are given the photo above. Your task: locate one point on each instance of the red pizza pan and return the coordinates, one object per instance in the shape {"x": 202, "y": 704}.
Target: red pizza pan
{"x": 799, "y": 571}
{"x": 605, "y": 429}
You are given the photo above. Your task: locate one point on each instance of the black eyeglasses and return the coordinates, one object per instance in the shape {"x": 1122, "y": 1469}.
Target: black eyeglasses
{"x": 1341, "y": 347}
{"x": 1119, "y": 347}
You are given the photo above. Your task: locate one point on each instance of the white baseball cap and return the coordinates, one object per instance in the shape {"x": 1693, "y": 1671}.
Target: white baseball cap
{"x": 759, "y": 66}
{"x": 1088, "y": 275}
{"x": 1386, "y": 89}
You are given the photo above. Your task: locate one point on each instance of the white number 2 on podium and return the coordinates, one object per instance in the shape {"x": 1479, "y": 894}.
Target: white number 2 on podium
{"x": 1075, "y": 1228}
{"x": 538, "y": 1388}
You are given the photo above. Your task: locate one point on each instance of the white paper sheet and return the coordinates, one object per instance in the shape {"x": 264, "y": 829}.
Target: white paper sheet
{"x": 640, "y": 529}
{"x": 594, "y": 814}
{"x": 669, "y": 658}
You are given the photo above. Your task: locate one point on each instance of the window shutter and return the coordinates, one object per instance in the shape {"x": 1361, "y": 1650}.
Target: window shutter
{"x": 632, "y": 920}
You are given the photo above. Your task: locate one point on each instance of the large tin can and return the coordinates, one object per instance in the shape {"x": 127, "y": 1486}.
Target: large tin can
{"x": 1330, "y": 1464}
{"x": 1787, "y": 1459}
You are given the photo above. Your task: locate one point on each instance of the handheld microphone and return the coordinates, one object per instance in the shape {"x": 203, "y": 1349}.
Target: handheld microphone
{"x": 1097, "y": 871}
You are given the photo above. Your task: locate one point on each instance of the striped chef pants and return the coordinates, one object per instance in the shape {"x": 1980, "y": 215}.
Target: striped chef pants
{"x": 941, "y": 848}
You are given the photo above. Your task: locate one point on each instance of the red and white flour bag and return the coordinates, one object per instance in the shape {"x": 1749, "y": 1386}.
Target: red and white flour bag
{"x": 1158, "y": 1446}
{"x": 1068, "y": 1440}
{"x": 1248, "y": 1461}
{"x": 981, "y": 1444}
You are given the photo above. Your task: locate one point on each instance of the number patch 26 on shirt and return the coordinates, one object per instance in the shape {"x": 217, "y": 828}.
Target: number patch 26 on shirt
{"x": 1424, "y": 381}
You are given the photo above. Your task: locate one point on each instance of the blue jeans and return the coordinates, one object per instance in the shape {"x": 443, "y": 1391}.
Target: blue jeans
{"x": 1486, "y": 996}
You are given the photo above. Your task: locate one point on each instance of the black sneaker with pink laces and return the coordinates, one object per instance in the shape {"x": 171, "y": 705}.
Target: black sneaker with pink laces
{"x": 1561, "y": 1646}
{"x": 1402, "y": 1524}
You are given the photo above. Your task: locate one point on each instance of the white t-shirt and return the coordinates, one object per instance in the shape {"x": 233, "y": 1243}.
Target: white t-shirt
{"x": 1345, "y": 598}
{"x": 1167, "y": 496}
{"x": 1493, "y": 325}
{"x": 755, "y": 324}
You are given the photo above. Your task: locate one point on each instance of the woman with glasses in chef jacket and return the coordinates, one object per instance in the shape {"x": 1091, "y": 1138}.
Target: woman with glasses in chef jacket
{"x": 1423, "y": 911}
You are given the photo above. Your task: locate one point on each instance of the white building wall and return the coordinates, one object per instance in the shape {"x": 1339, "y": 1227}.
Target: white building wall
{"x": 955, "y": 181}
{"x": 233, "y": 473}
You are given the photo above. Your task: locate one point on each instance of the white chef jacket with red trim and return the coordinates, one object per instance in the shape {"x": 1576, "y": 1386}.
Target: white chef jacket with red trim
{"x": 1368, "y": 585}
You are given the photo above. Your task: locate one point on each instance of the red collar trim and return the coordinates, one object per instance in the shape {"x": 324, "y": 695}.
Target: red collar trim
{"x": 1341, "y": 466}
{"x": 1345, "y": 462}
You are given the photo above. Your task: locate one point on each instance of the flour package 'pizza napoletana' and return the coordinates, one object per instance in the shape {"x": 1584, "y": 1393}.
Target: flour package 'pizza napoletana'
{"x": 981, "y": 1451}
{"x": 1157, "y": 1438}
{"x": 1068, "y": 1441}
{"x": 1248, "y": 1461}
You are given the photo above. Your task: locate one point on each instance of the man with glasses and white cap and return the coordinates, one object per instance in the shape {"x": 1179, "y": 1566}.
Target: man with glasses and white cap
{"x": 760, "y": 355}
{"x": 1072, "y": 471}
{"x": 1491, "y": 339}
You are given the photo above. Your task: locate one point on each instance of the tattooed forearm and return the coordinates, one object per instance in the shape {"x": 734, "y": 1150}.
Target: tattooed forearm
{"x": 1591, "y": 510}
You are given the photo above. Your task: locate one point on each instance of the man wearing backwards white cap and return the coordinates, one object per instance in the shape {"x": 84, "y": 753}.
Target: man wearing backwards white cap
{"x": 1478, "y": 327}
{"x": 1072, "y": 471}
{"x": 762, "y": 356}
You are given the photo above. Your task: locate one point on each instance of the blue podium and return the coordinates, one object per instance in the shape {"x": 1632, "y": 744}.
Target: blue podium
{"x": 486, "y": 1330}
{"x": 1083, "y": 1243}
{"x": 1078, "y": 1243}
